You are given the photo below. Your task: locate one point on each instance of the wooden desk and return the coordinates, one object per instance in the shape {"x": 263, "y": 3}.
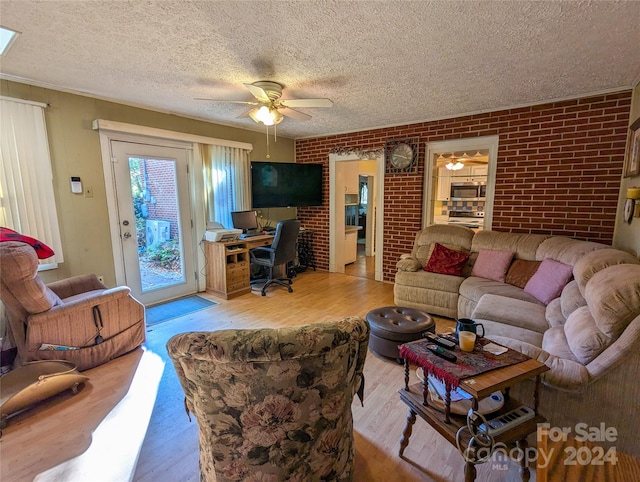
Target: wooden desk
{"x": 227, "y": 265}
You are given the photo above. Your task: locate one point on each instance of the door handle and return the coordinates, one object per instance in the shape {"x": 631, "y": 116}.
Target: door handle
{"x": 126, "y": 235}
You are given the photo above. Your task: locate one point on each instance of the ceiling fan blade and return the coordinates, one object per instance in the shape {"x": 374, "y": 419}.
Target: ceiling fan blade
{"x": 306, "y": 103}
{"x": 258, "y": 92}
{"x": 228, "y": 101}
{"x": 294, "y": 114}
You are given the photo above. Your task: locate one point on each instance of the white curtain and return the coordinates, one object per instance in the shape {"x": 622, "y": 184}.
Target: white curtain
{"x": 227, "y": 182}
{"x": 26, "y": 179}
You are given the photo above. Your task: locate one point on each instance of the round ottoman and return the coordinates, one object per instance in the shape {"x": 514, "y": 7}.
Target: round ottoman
{"x": 391, "y": 326}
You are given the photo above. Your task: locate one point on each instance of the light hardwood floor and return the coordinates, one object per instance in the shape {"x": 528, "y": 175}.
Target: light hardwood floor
{"x": 129, "y": 422}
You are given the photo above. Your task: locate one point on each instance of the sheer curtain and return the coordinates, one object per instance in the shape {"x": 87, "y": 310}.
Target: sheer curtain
{"x": 27, "y": 202}
{"x": 227, "y": 178}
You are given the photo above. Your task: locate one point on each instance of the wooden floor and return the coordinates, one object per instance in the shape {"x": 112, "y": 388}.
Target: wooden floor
{"x": 129, "y": 423}
{"x": 363, "y": 266}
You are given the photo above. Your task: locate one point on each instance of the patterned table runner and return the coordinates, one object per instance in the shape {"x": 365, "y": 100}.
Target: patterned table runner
{"x": 468, "y": 364}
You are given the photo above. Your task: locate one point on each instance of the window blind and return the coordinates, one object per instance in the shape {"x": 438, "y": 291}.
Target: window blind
{"x": 27, "y": 202}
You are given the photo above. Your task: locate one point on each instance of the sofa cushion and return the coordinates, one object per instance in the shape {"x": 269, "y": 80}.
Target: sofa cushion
{"x": 474, "y": 288}
{"x": 524, "y": 245}
{"x": 592, "y": 262}
{"x": 584, "y": 338}
{"x": 613, "y": 298}
{"x": 443, "y": 234}
{"x": 492, "y": 264}
{"x": 494, "y": 328}
{"x": 521, "y": 271}
{"x": 565, "y": 249}
{"x": 554, "y": 342}
{"x": 571, "y": 299}
{"x": 443, "y": 303}
{"x": 511, "y": 312}
{"x": 432, "y": 281}
{"x": 446, "y": 261}
{"x": 548, "y": 280}
{"x": 553, "y": 313}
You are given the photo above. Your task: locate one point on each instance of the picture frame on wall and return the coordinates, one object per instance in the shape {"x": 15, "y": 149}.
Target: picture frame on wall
{"x": 632, "y": 157}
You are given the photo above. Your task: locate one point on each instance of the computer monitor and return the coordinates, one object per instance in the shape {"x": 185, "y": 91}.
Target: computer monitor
{"x": 245, "y": 220}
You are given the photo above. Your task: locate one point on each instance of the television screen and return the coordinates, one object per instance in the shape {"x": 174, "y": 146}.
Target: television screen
{"x": 285, "y": 184}
{"x": 245, "y": 220}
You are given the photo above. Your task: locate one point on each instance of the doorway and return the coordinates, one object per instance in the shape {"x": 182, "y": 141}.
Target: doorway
{"x": 343, "y": 241}
{"x": 152, "y": 190}
{"x": 364, "y": 264}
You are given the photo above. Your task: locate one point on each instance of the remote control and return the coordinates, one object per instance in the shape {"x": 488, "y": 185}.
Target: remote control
{"x": 442, "y": 353}
{"x": 438, "y": 340}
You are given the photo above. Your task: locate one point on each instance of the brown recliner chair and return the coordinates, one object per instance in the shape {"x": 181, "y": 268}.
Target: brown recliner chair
{"x": 88, "y": 323}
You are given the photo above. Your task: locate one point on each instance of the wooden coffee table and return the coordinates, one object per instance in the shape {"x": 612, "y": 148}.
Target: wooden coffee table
{"x": 479, "y": 387}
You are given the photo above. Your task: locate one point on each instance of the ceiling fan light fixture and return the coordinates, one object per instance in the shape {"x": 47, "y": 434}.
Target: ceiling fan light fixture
{"x": 454, "y": 166}
{"x": 263, "y": 115}
{"x": 267, "y": 115}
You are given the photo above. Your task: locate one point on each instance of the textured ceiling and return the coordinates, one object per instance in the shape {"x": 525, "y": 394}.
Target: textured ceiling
{"x": 382, "y": 63}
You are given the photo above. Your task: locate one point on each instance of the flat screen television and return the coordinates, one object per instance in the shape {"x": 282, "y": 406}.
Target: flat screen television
{"x": 285, "y": 184}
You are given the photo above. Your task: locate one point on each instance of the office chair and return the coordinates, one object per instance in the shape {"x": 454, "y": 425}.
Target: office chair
{"x": 281, "y": 252}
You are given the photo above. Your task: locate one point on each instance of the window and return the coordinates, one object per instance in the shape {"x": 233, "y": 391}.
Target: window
{"x": 27, "y": 203}
{"x": 226, "y": 182}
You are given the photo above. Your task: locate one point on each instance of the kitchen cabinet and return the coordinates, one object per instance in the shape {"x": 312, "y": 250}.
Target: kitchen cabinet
{"x": 477, "y": 173}
{"x": 351, "y": 180}
{"x": 443, "y": 188}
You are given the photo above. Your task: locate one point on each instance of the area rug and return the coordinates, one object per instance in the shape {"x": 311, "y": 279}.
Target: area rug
{"x": 173, "y": 309}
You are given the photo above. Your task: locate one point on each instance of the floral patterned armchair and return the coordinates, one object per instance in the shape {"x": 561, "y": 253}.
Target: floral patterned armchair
{"x": 274, "y": 404}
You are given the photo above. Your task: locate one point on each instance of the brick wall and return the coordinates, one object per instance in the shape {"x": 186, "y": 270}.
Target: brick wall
{"x": 559, "y": 168}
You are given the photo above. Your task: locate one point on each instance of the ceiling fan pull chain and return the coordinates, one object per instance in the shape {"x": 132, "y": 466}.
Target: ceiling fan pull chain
{"x": 268, "y": 155}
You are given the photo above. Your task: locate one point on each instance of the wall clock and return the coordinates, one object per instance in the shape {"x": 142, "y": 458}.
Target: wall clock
{"x": 401, "y": 155}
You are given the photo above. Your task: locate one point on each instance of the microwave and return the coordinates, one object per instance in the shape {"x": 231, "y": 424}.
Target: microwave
{"x": 468, "y": 191}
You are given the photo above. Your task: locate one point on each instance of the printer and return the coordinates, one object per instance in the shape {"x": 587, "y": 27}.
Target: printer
{"x": 216, "y": 232}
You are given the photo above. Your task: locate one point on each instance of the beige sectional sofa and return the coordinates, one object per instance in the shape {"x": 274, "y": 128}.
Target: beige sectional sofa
{"x": 589, "y": 335}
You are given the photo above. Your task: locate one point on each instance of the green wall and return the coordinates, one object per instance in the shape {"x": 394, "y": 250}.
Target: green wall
{"x": 75, "y": 151}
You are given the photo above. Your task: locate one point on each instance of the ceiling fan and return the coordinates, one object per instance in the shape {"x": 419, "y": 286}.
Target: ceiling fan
{"x": 270, "y": 109}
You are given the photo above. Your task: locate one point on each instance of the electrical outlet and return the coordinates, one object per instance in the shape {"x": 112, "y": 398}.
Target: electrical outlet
{"x": 101, "y": 279}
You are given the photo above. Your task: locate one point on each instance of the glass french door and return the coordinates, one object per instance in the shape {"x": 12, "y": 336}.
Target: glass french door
{"x": 152, "y": 193}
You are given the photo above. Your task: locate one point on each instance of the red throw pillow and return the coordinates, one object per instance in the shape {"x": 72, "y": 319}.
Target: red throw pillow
{"x": 446, "y": 261}
{"x": 42, "y": 250}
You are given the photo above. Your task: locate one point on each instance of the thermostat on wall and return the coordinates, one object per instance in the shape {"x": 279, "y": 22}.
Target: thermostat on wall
{"x": 76, "y": 185}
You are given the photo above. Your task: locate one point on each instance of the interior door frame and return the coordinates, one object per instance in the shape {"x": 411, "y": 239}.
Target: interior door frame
{"x": 336, "y": 221}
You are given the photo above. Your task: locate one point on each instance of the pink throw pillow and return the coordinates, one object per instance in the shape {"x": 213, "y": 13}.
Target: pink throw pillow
{"x": 492, "y": 264}
{"x": 446, "y": 261}
{"x": 548, "y": 281}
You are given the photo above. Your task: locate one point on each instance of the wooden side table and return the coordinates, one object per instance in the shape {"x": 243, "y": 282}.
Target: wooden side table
{"x": 479, "y": 387}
